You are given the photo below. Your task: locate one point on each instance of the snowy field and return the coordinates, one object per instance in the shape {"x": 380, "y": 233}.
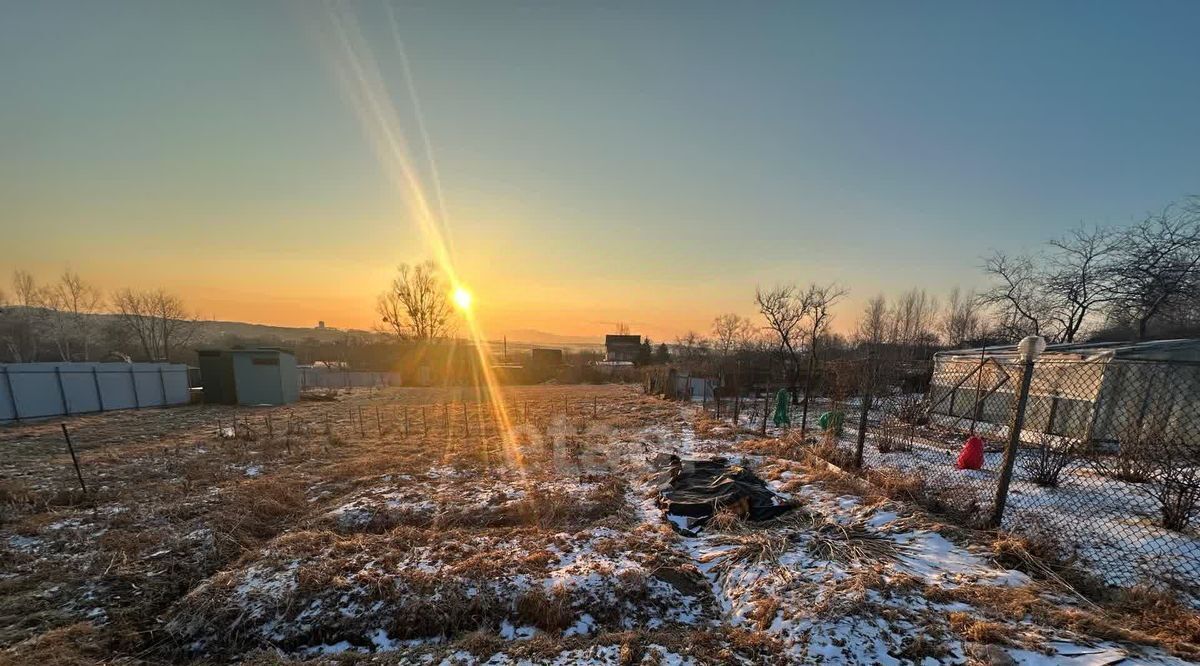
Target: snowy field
{"x": 1110, "y": 527}
{"x": 356, "y": 542}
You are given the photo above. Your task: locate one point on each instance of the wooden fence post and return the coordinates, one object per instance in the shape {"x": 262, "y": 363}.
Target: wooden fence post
{"x": 1014, "y": 443}
{"x": 865, "y": 409}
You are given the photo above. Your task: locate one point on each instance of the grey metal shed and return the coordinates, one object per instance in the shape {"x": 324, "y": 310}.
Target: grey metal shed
{"x": 262, "y": 376}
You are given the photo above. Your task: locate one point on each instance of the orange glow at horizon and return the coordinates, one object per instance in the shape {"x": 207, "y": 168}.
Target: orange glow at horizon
{"x": 366, "y": 92}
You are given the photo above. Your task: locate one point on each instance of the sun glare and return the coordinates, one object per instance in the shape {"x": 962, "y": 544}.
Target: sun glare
{"x": 462, "y": 298}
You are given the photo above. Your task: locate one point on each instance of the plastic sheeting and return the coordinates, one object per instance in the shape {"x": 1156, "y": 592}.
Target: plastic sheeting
{"x": 692, "y": 491}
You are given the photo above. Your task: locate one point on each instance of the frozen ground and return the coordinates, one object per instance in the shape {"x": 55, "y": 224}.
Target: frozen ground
{"x": 1110, "y": 526}
{"x": 549, "y": 548}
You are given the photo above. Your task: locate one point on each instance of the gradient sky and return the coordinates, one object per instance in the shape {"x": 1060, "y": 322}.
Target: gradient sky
{"x": 646, "y": 162}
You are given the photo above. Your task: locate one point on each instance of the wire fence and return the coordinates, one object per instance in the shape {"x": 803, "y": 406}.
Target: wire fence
{"x": 1100, "y": 456}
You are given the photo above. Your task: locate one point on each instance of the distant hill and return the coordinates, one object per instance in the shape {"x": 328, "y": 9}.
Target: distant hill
{"x": 213, "y": 332}
{"x": 534, "y": 337}
{"x": 209, "y": 332}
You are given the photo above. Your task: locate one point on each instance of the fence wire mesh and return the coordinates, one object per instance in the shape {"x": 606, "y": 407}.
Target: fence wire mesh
{"x": 1105, "y": 459}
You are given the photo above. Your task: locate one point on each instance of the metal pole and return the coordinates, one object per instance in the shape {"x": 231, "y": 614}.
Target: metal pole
{"x": 766, "y": 404}
{"x": 862, "y": 431}
{"x": 976, "y": 413}
{"x": 812, "y": 362}
{"x": 137, "y": 400}
{"x": 12, "y": 396}
{"x": 162, "y": 382}
{"x": 62, "y": 391}
{"x": 99, "y": 393}
{"x": 1014, "y": 442}
{"x": 74, "y": 459}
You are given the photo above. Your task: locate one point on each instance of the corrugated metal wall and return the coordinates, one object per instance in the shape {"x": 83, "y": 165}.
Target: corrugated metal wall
{"x": 33, "y": 390}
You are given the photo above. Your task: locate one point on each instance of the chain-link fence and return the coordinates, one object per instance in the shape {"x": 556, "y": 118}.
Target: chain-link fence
{"x": 1098, "y": 454}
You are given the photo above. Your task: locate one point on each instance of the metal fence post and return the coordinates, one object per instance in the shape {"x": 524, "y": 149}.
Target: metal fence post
{"x": 1014, "y": 443}
{"x": 812, "y": 362}
{"x": 12, "y": 396}
{"x": 99, "y": 393}
{"x": 137, "y": 401}
{"x": 868, "y": 389}
{"x": 62, "y": 390}
{"x": 766, "y": 408}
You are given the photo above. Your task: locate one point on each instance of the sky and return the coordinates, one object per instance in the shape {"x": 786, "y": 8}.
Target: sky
{"x": 599, "y": 162}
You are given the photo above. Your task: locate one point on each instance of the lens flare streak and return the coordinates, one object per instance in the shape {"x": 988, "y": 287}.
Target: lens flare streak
{"x": 362, "y": 85}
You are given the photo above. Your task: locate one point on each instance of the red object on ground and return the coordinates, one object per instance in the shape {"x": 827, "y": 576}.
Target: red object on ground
{"x": 971, "y": 456}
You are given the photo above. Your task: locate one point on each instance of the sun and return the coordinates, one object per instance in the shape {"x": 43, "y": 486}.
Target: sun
{"x": 462, "y": 298}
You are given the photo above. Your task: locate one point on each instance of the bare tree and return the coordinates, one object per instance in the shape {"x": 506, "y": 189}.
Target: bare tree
{"x": 1078, "y": 278}
{"x": 1017, "y": 295}
{"x": 962, "y": 321}
{"x": 912, "y": 318}
{"x": 730, "y": 333}
{"x": 416, "y": 306}
{"x": 874, "y": 325}
{"x": 23, "y": 322}
{"x": 690, "y": 350}
{"x": 26, "y": 290}
{"x": 1157, "y": 265}
{"x": 621, "y": 328}
{"x": 784, "y": 315}
{"x": 816, "y": 305}
{"x": 72, "y": 302}
{"x": 156, "y": 318}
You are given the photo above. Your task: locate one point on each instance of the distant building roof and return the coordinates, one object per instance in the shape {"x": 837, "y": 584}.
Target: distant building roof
{"x": 610, "y": 340}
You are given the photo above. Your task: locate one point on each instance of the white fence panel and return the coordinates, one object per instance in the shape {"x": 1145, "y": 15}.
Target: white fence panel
{"x": 34, "y": 390}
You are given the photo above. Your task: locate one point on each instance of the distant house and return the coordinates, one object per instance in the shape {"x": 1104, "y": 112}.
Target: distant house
{"x": 621, "y": 348}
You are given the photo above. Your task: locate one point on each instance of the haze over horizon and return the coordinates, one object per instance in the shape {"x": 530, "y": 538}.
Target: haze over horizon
{"x": 646, "y": 163}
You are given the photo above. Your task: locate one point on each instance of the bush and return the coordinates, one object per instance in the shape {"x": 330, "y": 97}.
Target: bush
{"x": 890, "y": 437}
{"x": 1046, "y": 464}
{"x": 1135, "y": 460}
{"x": 1166, "y": 471}
{"x": 1177, "y": 490}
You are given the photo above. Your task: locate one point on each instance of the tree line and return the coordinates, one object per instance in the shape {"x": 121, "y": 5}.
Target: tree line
{"x": 1092, "y": 284}
{"x": 1140, "y": 282}
{"x": 70, "y": 319}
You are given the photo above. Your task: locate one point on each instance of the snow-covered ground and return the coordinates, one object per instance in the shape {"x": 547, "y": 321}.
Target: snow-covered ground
{"x": 905, "y": 608}
{"x": 1111, "y": 527}
{"x": 569, "y": 560}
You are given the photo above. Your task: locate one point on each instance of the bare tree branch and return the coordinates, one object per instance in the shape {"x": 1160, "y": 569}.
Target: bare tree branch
{"x": 416, "y": 306}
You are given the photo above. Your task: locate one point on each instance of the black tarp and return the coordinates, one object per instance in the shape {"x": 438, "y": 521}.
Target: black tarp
{"x": 693, "y": 490}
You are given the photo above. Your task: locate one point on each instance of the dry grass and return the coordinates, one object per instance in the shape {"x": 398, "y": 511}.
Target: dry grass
{"x": 546, "y": 610}
{"x": 173, "y": 501}
{"x": 1142, "y": 616}
{"x": 78, "y": 644}
{"x": 850, "y": 544}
